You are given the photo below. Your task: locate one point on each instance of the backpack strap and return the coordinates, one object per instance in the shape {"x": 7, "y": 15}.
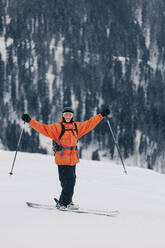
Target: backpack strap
{"x": 75, "y": 125}
{"x": 59, "y": 147}
{"x": 62, "y": 132}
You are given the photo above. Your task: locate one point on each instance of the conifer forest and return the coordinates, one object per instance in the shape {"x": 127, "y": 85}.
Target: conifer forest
{"x": 87, "y": 54}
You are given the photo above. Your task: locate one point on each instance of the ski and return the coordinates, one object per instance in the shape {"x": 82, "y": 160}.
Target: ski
{"x": 110, "y": 213}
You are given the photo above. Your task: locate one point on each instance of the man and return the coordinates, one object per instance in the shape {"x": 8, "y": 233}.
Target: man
{"x": 66, "y": 135}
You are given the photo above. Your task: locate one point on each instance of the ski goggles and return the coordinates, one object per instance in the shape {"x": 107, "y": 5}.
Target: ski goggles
{"x": 67, "y": 115}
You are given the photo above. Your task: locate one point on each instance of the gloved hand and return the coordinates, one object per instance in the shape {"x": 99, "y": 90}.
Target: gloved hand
{"x": 26, "y": 118}
{"x": 105, "y": 112}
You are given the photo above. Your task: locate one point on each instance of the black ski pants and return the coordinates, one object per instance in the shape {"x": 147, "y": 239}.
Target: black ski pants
{"x": 67, "y": 177}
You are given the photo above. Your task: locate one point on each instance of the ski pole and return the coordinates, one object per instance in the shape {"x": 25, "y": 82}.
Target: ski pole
{"x": 116, "y": 145}
{"x": 11, "y": 172}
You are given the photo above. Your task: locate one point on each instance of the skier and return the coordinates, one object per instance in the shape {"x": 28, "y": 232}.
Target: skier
{"x": 66, "y": 135}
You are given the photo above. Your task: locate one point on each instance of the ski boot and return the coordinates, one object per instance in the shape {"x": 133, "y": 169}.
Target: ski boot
{"x": 60, "y": 206}
{"x": 72, "y": 206}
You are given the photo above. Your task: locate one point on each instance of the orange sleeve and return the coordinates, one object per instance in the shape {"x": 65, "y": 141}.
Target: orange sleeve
{"x": 50, "y": 131}
{"x": 86, "y": 126}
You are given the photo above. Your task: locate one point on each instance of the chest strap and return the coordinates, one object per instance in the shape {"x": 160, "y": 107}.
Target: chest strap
{"x": 67, "y": 148}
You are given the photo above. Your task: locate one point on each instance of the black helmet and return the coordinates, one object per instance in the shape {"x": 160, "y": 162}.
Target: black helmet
{"x": 68, "y": 109}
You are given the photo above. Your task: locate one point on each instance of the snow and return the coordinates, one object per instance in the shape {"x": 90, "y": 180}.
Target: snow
{"x": 108, "y": 32}
{"x": 3, "y": 49}
{"x": 87, "y": 153}
{"x": 9, "y": 42}
{"x": 50, "y": 78}
{"x": 148, "y": 37}
{"x": 139, "y": 196}
{"x": 138, "y": 15}
{"x": 59, "y": 55}
{"x": 85, "y": 18}
{"x": 8, "y": 19}
{"x": 74, "y": 100}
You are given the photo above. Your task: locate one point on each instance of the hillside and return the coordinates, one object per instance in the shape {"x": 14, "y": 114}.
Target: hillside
{"x": 139, "y": 196}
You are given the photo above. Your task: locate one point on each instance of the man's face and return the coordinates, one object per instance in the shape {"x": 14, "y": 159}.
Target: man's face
{"x": 68, "y": 116}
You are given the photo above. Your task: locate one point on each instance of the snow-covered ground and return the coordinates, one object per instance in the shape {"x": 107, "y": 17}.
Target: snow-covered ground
{"x": 139, "y": 196}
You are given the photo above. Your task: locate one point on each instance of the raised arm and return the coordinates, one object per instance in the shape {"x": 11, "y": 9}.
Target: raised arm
{"x": 47, "y": 130}
{"x": 50, "y": 131}
{"x": 86, "y": 126}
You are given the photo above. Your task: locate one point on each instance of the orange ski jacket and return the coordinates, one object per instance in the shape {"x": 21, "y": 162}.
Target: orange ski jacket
{"x": 69, "y": 139}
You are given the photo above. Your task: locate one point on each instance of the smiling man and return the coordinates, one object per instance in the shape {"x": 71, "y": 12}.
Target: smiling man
{"x": 66, "y": 134}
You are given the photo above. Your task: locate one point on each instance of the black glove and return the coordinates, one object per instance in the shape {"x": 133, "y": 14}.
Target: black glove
{"x": 105, "y": 112}
{"x": 26, "y": 118}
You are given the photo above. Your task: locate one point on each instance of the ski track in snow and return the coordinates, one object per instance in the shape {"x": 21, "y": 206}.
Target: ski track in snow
{"x": 139, "y": 196}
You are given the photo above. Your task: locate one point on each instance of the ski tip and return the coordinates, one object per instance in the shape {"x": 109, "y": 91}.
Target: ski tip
{"x": 28, "y": 204}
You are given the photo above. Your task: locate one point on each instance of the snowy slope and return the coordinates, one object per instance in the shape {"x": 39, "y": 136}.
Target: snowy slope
{"x": 140, "y": 197}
